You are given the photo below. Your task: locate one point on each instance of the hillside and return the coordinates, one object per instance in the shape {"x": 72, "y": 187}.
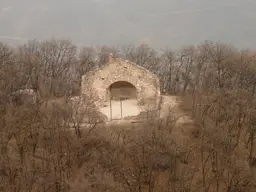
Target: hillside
{"x": 204, "y": 140}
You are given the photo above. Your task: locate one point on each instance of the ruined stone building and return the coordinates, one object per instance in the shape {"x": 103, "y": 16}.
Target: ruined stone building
{"x": 121, "y": 88}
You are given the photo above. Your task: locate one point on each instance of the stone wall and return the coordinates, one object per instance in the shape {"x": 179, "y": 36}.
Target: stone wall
{"x": 95, "y": 84}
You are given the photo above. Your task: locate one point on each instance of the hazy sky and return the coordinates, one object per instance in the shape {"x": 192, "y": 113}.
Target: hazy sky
{"x": 116, "y": 22}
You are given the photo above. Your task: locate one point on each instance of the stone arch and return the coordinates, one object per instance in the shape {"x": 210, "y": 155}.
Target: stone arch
{"x": 121, "y": 90}
{"x": 95, "y": 84}
{"x": 129, "y": 80}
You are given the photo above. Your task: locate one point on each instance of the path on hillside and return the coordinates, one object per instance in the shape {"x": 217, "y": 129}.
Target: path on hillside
{"x": 170, "y": 109}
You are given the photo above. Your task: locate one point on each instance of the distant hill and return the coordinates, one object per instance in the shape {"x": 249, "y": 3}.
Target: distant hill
{"x": 161, "y": 22}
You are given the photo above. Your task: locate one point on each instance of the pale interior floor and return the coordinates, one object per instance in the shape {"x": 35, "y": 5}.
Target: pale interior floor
{"x": 129, "y": 108}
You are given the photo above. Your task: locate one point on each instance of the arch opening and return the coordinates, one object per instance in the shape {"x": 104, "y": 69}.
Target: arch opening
{"x": 121, "y": 101}
{"x": 121, "y": 90}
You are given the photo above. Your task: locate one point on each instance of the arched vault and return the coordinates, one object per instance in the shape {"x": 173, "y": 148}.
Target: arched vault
{"x": 96, "y": 84}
